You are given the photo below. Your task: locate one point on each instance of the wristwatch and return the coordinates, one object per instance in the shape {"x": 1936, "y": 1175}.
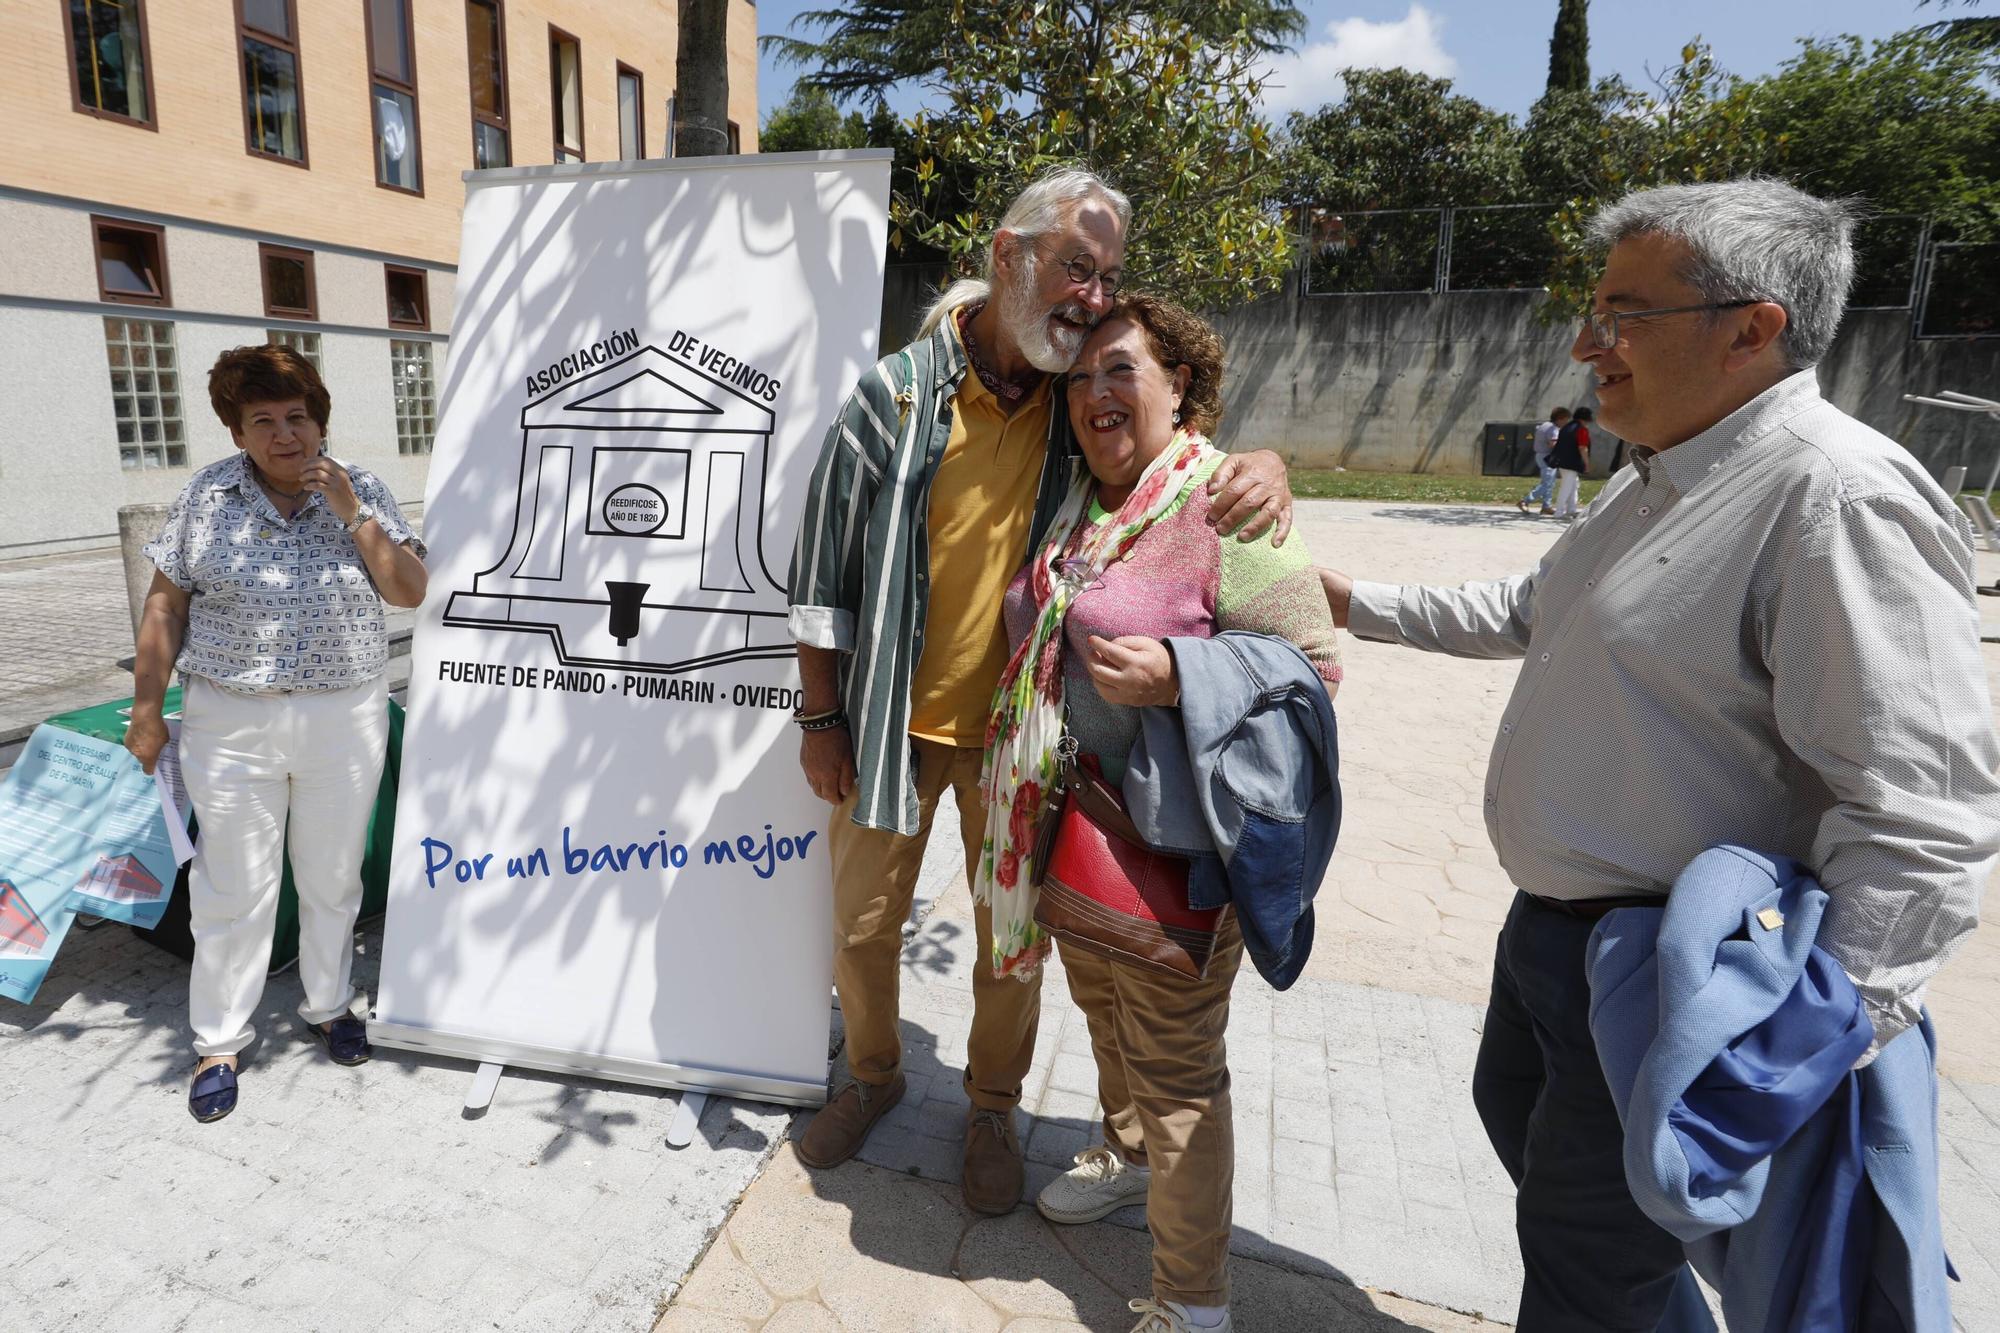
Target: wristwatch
{"x": 361, "y": 515}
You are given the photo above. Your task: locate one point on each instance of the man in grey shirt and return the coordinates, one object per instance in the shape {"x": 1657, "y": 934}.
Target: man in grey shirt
{"x": 1763, "y": 632}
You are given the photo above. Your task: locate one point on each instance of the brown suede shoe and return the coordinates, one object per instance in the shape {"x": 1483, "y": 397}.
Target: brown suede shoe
{"x": 993, "y": 1177}
{"x": 842, "y": 1125}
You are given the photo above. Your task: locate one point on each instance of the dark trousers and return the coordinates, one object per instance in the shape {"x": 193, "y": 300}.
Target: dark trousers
{"x": 1593, "y": 1262}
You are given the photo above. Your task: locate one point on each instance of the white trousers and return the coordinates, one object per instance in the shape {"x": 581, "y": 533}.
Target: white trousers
{"x": 253, "y": 762}
{"x": 1566, "y": 490}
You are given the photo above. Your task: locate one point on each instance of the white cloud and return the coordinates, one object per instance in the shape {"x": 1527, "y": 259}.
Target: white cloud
{"x": 1309, "y": 77}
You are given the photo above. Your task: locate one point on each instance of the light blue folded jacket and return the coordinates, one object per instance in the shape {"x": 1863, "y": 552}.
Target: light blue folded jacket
{"x": 1736, "y": 1125}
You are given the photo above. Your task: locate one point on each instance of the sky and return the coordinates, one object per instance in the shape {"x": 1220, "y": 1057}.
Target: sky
{"x": 1496, "y": 50}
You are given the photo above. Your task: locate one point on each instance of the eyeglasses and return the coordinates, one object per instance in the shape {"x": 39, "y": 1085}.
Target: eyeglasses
{"x": 1083, "y": 268}
{"x": 1604, "y": 324}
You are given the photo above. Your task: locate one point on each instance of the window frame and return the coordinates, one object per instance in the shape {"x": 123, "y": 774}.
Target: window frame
{"x": 309, "y": 313}
{"x": 98, "y": 225}
{"x": 639, "y": 103}
{"x": 390, "y": 272}
{"x": 145, "y": 70}
{"x": 555, "y": 99}
{"x": 505, "y": 121}
{"x": 408, "y": 90}
{"x": 290, "y": 46}
{"x": 734, "y": 132}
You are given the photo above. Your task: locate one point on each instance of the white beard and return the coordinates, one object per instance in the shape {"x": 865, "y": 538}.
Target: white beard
{"x": 1048, "y": 346}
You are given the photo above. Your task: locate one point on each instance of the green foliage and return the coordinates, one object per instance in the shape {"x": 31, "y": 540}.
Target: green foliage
{"x": 1569, "y": 48}
{"x": 1907, "y": 125}
{"x": 1399, "y": 140}
{"x": 1165, "y": 109}
{"x": 809, "y": 122}
{"x": 868, "y": 46}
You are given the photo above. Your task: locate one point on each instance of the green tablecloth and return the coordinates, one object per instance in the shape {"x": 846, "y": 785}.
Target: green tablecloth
{"x": 107, "y": 722}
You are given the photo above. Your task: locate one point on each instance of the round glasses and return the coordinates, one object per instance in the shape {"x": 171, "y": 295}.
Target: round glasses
{"x": 1083, "y": 268}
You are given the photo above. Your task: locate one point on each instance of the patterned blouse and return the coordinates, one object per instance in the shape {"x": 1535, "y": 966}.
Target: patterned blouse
{"x": 1180, "y": 580}
{"x": 279, "y": 605}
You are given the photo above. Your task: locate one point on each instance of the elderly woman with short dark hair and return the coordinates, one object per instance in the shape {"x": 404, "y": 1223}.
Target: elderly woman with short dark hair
{"x": 270, "y": 578}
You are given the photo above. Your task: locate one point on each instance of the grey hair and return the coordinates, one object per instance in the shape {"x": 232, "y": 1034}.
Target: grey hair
{"x": 1754, "y": 239}
{"x": 1036, "y": 211}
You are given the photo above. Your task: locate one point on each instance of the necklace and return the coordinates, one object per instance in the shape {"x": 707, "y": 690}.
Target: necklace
{"x": 274, "y": 488}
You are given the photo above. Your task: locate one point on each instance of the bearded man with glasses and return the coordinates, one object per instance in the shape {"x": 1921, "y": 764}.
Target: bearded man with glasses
{"x": 1763, "y": 633}
{"x": 939, "y": 478}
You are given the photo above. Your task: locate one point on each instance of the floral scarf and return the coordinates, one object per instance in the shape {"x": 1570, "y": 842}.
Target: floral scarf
{"x": 1027, "y": 717}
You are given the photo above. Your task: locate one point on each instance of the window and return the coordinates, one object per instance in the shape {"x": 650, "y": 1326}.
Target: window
{"x": 289, "y": 289}
{"x": 416, "y": 395}
{"x": 131, "y": 262}
{"x": 409, "y": 298}
{"x": 305, "y": 344}
{"x": 631, "y": 113}
{"x": 392, "y": 59}
{"x": 274, "y": 117}
{"x": 668, "y": 149}
{"x": 566, "y": 94}
{"x": 110, "y": 75}
{"x": 735, "y": 137}
{"x": 145, "y": 393}
{"x": 486, "y": 43}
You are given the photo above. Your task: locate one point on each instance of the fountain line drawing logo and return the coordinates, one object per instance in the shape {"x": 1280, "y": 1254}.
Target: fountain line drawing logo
{"x": 638, "y": 540}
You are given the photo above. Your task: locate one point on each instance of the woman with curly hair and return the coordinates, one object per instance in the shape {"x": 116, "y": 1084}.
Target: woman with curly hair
{"x": 1130, "y": 565}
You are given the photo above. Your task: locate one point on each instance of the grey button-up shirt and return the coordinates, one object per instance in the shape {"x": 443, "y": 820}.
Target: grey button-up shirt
{"x": 1766, "y": 635}
{"x": 278, "y": 605}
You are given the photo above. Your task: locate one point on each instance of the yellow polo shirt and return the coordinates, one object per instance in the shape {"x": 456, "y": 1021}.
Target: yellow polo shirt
{"x": 982, "y": 505}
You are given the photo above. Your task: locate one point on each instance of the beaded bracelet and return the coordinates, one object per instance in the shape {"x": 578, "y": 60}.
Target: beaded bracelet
{"x": 821, "y": 721}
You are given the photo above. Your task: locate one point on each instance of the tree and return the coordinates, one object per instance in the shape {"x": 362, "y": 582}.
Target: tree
{"x": 1569, "y": 48}
{"x": 1977, "y": 32}
{"x": 869, "y": 46}
{"x": 1399, "y": 139}
{"x": 1701, "y": 125}
{"x": 809, "y": 121}
{"x": 701, "y": 80}
{"x": 1910, "y": 125}
{"x": 1166, "y": 112}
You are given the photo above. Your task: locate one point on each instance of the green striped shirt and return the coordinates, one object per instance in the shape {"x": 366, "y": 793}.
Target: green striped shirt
{"x": 860, "y": 580}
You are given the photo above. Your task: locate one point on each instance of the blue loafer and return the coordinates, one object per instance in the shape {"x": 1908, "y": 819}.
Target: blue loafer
{"x": 345, "y": 1040}
{"x": 213, "y": 1095}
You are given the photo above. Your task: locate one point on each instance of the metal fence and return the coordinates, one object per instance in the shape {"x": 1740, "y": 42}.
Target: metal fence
{"x": 1952, "y": 289}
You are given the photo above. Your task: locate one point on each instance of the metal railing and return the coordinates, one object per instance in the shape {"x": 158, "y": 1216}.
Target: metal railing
{"x": 1952, "y": 289}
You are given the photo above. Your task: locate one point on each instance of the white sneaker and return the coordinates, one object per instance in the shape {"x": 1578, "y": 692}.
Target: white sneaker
{"x": 1098, "y": 1185}
{"x": 1172, "y": 1317}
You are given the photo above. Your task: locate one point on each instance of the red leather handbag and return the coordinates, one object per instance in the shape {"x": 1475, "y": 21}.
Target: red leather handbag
{"x": 1103, "y": 889}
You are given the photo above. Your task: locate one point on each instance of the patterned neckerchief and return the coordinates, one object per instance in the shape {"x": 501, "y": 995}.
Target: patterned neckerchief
{"x": 1007, "y": 391}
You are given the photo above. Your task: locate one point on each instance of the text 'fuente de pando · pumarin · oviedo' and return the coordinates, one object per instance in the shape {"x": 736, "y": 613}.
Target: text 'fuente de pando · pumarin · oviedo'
{"x": 630, "y": 685}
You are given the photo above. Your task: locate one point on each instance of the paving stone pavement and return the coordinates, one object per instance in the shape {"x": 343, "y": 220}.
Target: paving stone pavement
{"x": 331, "y": 1199}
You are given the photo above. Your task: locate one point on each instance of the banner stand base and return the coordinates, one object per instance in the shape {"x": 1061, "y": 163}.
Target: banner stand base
{"x": 686, "y": 1116}
{"x": 479, "y": 1095}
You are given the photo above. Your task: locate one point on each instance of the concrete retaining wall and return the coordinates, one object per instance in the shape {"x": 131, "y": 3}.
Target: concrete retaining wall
{"x": 1407, "y": 382}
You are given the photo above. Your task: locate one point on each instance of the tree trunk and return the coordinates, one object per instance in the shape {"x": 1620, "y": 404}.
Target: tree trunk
{"x": 701, "y": 80}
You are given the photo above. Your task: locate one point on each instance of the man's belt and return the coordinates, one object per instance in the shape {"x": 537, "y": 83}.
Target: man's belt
{"x": 1590, "y": 909}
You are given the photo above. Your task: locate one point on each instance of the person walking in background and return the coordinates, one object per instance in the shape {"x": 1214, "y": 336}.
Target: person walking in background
{"x": 942, "y": 473}
{"x": 1571, "y": 459}
{"x": 1545, "y": 441}
{"x": 1765, "y": 634}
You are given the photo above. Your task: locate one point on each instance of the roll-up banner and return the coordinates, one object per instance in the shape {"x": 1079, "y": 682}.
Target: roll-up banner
{"x": 607, "y": 861}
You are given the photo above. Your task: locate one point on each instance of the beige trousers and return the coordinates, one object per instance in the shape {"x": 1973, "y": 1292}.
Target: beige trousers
{"x": 874, "y": 882}
{"x": 1163, "y": 1080}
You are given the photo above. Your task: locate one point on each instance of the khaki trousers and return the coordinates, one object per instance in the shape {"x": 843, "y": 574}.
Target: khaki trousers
{"x": 874, "y": 882}
{"x": 1163, "y": 1080}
